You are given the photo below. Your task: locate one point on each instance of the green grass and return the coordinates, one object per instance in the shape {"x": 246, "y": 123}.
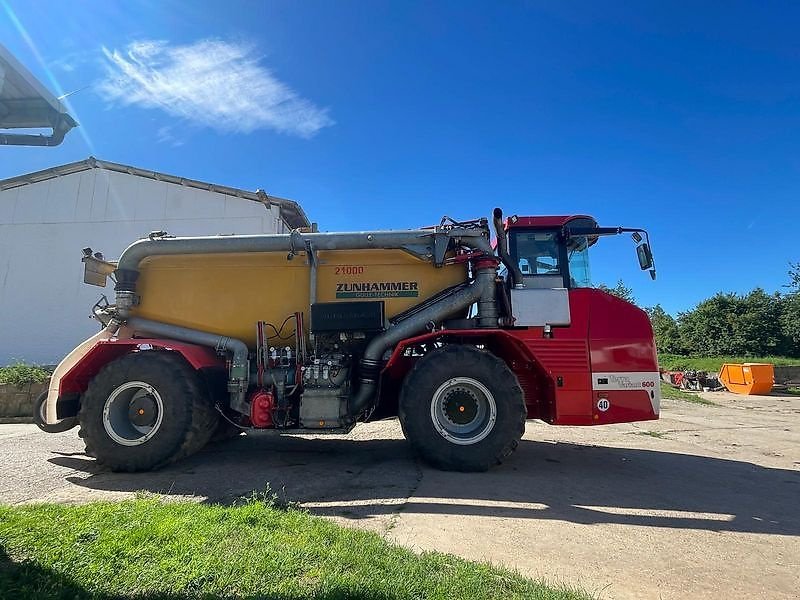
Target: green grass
{"x": 146, "y": 548}
{"x": 675, "y": 362}
{"x": 667, "y": 391}
{"x": 20, "y": 374}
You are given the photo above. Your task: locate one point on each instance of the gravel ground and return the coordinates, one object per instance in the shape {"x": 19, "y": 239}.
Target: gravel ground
{"x": 703, "y": 503}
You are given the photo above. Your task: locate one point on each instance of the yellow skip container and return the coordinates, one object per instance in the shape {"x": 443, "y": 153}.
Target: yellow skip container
{"x": 748, "y": 378}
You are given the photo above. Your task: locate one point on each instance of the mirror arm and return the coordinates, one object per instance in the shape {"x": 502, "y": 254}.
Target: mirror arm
{"x": 598, "y": 231}
{"x": 568, "y": 232}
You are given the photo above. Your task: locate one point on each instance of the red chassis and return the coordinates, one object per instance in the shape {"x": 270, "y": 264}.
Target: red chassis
{"x": 600, "y": 369}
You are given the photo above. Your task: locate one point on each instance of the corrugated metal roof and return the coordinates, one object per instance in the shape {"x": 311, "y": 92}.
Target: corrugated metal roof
{"x": 27, "y": 104}
{"x": 291, "y": 211}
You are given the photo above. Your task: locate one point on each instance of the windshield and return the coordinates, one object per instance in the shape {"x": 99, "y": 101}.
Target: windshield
{"x": 578, "y": 256}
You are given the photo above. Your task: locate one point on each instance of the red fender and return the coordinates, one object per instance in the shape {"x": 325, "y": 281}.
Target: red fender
{"x": 77, "y": 378}
{"x": 537, "y": 386}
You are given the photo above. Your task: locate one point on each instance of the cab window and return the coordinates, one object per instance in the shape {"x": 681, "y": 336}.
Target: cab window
{"x": 547, "y": 262}
{"x": 538, "y": 254}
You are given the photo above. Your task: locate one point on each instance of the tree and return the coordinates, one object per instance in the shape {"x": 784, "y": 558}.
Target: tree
{"x": 790, "y": 324}
{"x": 620, "y": 291}
{"x": 665, "y": 329}
{"x": 790, "y": 313}
{"x": 708, "y": 327}
{"x": 794, "y": 277}
{"x": 748, "y": 325}
{"x": 758, "y": 325}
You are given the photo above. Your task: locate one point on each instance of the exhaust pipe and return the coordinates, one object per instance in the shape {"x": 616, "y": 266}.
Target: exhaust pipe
{"x": 502, "y": 249}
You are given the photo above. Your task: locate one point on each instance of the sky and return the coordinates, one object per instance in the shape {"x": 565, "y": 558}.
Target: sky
{"x": 679, "y": 117}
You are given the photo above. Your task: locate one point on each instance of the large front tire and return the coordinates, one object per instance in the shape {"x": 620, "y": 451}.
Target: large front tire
{"x": 145, "y": 410}
{"x": 462, "y": 409}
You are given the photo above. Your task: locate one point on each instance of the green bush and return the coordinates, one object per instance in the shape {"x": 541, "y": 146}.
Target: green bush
{"x": 20, "y": 374}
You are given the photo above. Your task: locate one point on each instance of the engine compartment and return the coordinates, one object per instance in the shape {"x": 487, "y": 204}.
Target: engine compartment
{"x": 304, "y": 379}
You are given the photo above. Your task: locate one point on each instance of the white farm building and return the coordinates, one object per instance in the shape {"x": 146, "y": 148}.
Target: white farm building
{"x": 47, "y": 217}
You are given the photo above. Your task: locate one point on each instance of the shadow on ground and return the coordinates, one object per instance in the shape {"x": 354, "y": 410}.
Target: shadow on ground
{"x": 569, "y": 482}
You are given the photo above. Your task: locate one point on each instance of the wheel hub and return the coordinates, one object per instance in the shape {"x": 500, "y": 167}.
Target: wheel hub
{"x": 143, "y": 411}
{"x": 460, "y": 407}
{"x": 463, "y": 411}
{"x": 133, "y": 413}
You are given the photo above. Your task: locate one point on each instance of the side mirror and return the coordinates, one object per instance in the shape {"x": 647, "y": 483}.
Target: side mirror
{"x": 645, "y": 256}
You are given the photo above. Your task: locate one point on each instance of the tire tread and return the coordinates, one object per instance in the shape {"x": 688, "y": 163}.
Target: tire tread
{"x": 434, "y": 448}
{"x": 197, "y": 430}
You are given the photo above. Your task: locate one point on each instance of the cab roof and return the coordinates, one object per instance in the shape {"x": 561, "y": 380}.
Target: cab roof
{"x": 543, "y": 222}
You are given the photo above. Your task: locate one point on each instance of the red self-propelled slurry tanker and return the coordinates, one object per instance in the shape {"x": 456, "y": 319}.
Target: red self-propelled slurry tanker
{"x": 461, "y": 338}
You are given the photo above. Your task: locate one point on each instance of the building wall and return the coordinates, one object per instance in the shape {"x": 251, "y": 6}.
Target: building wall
{"x": 44, "y": 304}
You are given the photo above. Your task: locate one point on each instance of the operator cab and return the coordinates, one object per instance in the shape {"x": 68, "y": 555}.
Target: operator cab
{"x": 552, "y": 254}
{"x": 546, "y": 257}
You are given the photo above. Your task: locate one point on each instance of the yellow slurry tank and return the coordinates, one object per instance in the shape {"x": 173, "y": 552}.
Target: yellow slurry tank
{"x": 228, "y": 293}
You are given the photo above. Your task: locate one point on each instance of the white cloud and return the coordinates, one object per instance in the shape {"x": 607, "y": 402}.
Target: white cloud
{"x": 211, "y": 83}
{"x": 164, "y": 135}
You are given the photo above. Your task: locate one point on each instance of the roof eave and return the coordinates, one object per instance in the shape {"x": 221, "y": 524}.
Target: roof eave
{"x": 37, "y": 108}
{"x": 291, "y": 212}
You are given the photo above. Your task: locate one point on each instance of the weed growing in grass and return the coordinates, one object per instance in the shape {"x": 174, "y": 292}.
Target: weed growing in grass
{"x": 268, "y": 497}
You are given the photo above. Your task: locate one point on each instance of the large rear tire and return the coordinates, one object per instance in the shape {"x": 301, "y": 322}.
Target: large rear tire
{"x": 145, "y": 410}
{"x": 462, "y": 409}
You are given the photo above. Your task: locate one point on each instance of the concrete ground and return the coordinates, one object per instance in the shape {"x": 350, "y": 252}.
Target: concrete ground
{"x": 704, "y": 503}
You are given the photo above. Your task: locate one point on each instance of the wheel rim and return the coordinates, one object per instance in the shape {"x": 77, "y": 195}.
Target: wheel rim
{"x": 133, "y": 413}
{"x": 463, "y": 411}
